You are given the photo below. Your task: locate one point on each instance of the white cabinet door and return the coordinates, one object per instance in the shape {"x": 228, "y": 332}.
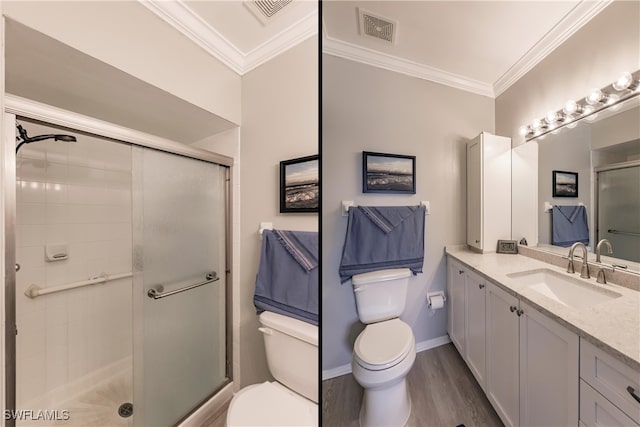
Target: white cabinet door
{"x": 474, "y": 193}
{"x": 549, "y": 361}
{"x": 455, "y": 283}
{"x": 502, "y": 354}
{"x": 475, "y": 326}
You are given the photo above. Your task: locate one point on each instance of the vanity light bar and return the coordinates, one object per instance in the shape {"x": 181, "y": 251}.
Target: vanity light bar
{"x": 624, "y": 88}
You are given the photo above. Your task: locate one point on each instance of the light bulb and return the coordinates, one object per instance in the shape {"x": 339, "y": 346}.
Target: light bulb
{"x": 536, "y": 123}
{"x": 595, "y": 96}
{"x": 551, "y": 117}
{"x": 571, "y": 107}
{"x": 523, "y": 130}
{"x": 623, "y": 82}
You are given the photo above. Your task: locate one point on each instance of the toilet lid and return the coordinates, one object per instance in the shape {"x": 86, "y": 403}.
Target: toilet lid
{"x": 384, "y": 344}
{"x": 271, "y": 404}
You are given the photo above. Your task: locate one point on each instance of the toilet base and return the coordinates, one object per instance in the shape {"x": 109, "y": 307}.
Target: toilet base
{"x": 389, "y": 406}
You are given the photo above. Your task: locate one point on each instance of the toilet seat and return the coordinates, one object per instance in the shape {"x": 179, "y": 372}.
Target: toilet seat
{"x": 383, "y": 345}
{"x": 271, "y": 404}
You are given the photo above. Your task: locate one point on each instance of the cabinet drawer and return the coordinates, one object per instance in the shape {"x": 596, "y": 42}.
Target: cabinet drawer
{"x": 611, "y": 378}
{"x": 595, "y": 410}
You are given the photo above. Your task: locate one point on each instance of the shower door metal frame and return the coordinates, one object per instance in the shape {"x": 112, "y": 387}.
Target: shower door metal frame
{"x": 15, "y": 107}
{"x": 10, "y": 331}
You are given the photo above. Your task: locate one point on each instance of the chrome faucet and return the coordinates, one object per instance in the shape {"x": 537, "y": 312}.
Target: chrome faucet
{"x": 605, "y": 242}
{"x": 601, "y": 278}
{"x": 584, "y": 271}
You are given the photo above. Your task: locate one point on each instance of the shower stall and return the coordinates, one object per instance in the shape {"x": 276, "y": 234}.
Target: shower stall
{"x": 618, "y": 204}
{"x": 121, "y": 294}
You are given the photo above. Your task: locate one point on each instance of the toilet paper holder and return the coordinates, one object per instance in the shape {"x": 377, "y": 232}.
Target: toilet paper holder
{"x": 433, "y": 296}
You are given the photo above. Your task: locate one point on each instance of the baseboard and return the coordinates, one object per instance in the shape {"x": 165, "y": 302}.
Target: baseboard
{"x": 327, "y": 374}
{"x": 432, "y": 343}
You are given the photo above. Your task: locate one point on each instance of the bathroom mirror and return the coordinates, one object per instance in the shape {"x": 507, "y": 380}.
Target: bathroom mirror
{"x": 605, "y": 153}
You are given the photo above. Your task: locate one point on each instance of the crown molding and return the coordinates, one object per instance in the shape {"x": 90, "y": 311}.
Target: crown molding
{"x": 186, "y": 21}
{"x": 303, "y": 29}
{"x": 374, "y": 58}
{"x": 575, "y": 19}
{"x": 190, "y": 24}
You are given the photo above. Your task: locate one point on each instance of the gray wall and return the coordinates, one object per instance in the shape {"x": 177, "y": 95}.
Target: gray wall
{"x": 370, "y": 109}
{"x": 567, "y": 151}
{"x": 593, "y": 57}
{"x": 279, "y": 122}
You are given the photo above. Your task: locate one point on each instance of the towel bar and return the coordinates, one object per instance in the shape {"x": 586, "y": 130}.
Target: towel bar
{"x": 346, "y": 204}
{"x": 548, "y": 207}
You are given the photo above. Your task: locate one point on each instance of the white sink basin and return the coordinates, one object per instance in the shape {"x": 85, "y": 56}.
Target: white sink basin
{"x": 562, "y": 288}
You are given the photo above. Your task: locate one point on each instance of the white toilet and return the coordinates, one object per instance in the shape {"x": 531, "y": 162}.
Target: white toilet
{"x": 292, "y": 355}
{"x": 385, "y": 351}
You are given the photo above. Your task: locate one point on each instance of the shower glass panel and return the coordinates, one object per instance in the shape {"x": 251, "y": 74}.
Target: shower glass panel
{"x": 619, "y": 211}
{"x": 179, "y": 219}
{"x": 73, "y": 214}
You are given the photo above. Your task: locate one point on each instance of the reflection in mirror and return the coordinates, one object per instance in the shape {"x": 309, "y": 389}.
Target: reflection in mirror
{"x": 605, "y": 154}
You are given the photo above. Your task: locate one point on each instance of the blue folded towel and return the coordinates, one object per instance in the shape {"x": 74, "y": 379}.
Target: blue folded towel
{"x": 383, "y": 237}
{"x": 287, "y": 280}
{"x": 569, "y": 225}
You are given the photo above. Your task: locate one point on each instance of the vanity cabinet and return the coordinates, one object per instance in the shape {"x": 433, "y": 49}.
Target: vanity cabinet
{"x": 607, "y": 389}
{"x": 502, "y": 330}
{"x": 526, "y": 363}
{"x": 475, "y": 337}
{"x": 456, "y": 301}
{"x": 488, "y": 191}
{"x": 532, "y": 364}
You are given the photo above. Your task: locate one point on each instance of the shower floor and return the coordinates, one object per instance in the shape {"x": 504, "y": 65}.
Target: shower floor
{"x": 95, "y": 407}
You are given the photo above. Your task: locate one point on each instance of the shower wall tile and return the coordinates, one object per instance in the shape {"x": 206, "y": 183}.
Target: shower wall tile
{"x": 30, "y": 213}
{"x": 30, "y": 235}
{"x": 32, "y": 192}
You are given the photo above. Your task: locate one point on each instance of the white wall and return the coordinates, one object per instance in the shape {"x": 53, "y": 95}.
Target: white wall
{"x": 593, "y": 57}
{"x": 128, "y": 36}
{"x": 279, "y": 122}
{"x": 370, "y": 109}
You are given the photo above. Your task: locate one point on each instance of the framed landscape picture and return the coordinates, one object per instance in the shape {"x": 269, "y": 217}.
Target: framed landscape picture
{"x": 565, "y": 184}
{"x": 299, "y": 185}
{"x": 388, "y": 173}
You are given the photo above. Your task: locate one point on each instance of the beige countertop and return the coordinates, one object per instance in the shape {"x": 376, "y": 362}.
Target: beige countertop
{"x": 612, "y": 325}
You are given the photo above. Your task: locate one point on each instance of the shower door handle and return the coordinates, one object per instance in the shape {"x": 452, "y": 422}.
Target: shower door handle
{"x": 157, "y": 294}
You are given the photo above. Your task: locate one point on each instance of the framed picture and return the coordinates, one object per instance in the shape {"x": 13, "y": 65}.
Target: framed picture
{"x": 565, "y": 184}
{"x": 299, "y": 185}
{"x": 388, "y": 173}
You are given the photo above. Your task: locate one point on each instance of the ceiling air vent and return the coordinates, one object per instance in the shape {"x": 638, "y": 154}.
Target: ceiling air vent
{"x": 377, "y": 26}
{"x": 265, "y": 10}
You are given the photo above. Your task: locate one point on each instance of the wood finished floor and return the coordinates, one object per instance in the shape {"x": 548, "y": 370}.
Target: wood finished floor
{"x": 443, "y": 393}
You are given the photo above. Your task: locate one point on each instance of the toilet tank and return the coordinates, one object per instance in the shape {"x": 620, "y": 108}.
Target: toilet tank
{"x": 292, "y": 352}
{"x": 381, "y": 295}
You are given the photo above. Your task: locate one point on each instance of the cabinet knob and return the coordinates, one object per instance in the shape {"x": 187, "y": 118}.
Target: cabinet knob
{"x": 460, "y": 271}
{"x": 477, "y": 241}
{"x": 520, "y": 312}
{"x": 481, "y": 286}
{"x": 513, "y": 308}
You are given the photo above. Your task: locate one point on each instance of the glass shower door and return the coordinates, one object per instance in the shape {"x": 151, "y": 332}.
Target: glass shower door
{"x": 179, "y": 285}
{"x": 618, "y": 211}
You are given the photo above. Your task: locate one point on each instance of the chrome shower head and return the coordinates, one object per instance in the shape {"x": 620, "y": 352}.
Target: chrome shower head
{"x": 26, "y": 139}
